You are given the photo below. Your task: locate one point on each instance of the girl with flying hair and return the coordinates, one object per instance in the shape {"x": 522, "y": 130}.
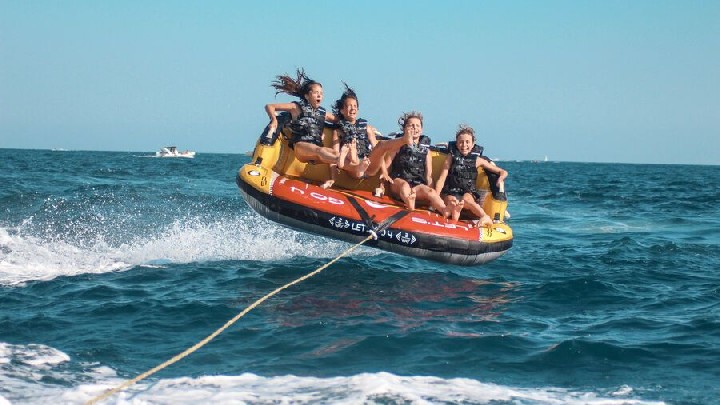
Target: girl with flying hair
{"x": 307, "y": 117}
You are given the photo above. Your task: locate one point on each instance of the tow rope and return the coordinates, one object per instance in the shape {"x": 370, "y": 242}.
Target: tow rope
{"x": 373, "y": 235}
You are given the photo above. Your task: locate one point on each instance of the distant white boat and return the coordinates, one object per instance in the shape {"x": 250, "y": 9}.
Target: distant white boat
{"x": 171, "y": 151}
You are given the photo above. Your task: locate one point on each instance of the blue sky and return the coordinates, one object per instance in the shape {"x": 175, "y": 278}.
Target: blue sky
{"x": 595, "y": 81}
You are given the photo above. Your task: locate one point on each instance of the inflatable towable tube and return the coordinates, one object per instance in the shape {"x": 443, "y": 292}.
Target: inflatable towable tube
{"x": 287, "y": 191}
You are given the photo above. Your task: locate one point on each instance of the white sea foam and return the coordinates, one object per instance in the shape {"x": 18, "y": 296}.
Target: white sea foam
{"x": 26, "y": 369}
{"x": 36, "y": 373}
{"x": 26, "y": 258}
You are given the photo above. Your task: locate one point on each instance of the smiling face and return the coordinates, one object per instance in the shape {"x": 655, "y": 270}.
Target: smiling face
{"x": 464, "y": 143}
{"x": 350, "y": 109}
{"x": 413, "y": 126}
{"x": 314, "y": 95}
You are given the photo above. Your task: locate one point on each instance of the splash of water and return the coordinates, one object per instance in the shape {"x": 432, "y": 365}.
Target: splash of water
{"x": 25, "y": 257}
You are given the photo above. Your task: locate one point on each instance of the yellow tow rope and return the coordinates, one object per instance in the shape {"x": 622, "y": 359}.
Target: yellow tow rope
{"x": 229, "y": 323}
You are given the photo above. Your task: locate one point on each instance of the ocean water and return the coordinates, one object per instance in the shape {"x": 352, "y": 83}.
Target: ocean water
{"x": 112, "y": 263}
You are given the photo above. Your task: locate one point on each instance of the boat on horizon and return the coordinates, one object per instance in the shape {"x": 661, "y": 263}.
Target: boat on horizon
{"x": 171, "y": 151}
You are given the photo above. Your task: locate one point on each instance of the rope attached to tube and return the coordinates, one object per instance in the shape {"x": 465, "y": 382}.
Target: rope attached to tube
{"x": 229, "y": 323}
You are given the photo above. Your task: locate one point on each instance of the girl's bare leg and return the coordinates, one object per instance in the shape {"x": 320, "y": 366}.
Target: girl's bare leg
{"x": 356, "y": 171}
{"x": 407, "y": 194}
{"x": 410, "y": 200}
{"x": 454, "y": 206}
{"x": 476, "y": 209}
{"x": 457, "y": 210}
{"x": 362, "y": 167}
{"x": 381, "y": 149}
{"x": 331, "y": 181}
{"x": 305, "y": 152}
{"x": 427, "y": 193}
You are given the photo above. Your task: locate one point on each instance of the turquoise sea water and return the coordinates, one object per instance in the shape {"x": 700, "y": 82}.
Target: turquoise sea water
{"x": 112, "y": 263}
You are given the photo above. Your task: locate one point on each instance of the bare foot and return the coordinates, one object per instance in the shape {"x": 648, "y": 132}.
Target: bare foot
{"x": 456, "y": 209}
{"x": 410, "y": 200}
{"x": 353, "y": 152}
{"x": 365, "y": 163}
{"x": 343, "y": 155}
{"x": 328, "y": 184}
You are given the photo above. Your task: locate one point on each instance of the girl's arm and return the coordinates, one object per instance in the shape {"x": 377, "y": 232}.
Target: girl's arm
{"x": 271, "y": 109}
{"x": 493, "y": 168}
{"x": 386, "y": 161}
{"x": 331, "y": 117}
{"x": 428, "y": 169}
{"x": 443, "y": 174}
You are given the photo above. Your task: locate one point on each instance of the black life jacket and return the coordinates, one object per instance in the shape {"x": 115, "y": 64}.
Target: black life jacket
{"x": 409, "y": 164}
{"x": 462, "y": 174}
{"x": 308, "y": 126}
{"x": 357, "y": 131}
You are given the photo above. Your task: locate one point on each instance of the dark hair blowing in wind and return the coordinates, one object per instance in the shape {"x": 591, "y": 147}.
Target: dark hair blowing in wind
{"x": 298, "y": 86}
{"x": 406, "y": 116}
{"x": 340, "y": 103}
